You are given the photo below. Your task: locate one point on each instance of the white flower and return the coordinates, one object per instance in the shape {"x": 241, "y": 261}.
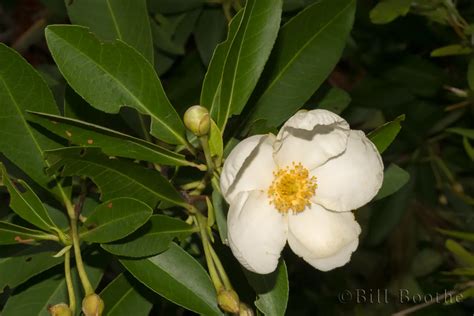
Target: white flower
{"x": 300, "y": 187}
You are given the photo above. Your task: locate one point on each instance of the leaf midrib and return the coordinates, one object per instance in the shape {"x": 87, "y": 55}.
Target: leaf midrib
{"x": 108, "y": 223}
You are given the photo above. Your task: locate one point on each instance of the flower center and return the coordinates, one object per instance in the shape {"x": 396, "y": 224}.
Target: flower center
{"x": 291, "y": 189}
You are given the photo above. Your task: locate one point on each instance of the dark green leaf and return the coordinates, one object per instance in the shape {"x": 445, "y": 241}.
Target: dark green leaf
{"x": 154, "y": 237}
{"x": 470, "y": 74}
{"x": 466, "y": 132}
{"x": 126, "y": 20}
{"x": 388, "y": 10}
{"x": 272, "y": 290}
{"x": 122, "y": 299}
{"x": 336, "y": 101}
{"x": 242, "y": 67}
{"x": 115, "y": 219}
{"x": 306, "y": 51}
{"x": 383, "y": 136}
{"x": 115, "y": 178}
{"x": 11, "y": 234}
{"x": 463, "y": 256}
{"x": 25, "y": 203}
{"x": 394, "y": 178}
{"x": 21, "y": 89}
{"x": 112, "y": 143}
{"x": 468, "y": 147}
{"x": 451, "y": 50}
{"x": 178, "y": 277}
{"x": 220, "y": 214}
{"x": 425, "y": 262}
{"x": 174, "y": 6}
{"x": 210, "y": 31}
{"x": 112, "y": 75}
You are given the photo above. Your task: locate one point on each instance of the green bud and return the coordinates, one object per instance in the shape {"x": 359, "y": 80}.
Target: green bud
{"x": 443, "y": 200}
{"x": 92, "y": 305}
{"x": 197, "y": 120}
{"x": 228, "y": 300}
{"x": 60, "y": 309}
{"x": 245, "y": 310}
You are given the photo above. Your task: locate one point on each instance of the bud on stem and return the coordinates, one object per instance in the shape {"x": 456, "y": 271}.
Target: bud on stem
{"x": 92, "y": 305}
{"x": 197, "y": 120}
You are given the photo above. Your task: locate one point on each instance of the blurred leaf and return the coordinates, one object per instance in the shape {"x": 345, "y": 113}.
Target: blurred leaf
{"x": 272, "y": 290}
{"x": 163, "y": 40}
{"x": 122, "y": 299}
{"x": 463, "y": 256}
{"x": 19, "y": 142}
{"x": 470, "y": 74}
{"x": 394, "y": 178}
{"x": 11, "y": 234}
{"x": 154, "y": 237}
{"x": 425, "y": 262}
{"x": 25, "y": 203}
{"x": 388, "y": 10}
{"x": 112, "y": 143}
{"x": 311, "y": 43}
{"x": 451, "y": 50}
{"x": 336, "y": 100}
{"x": 468, "y": 148}
{"x": 107, "y": 84}
{"x": 178, "y": 277}
{"x": 383, "y": 136}
{"x": 115, "y": 219}
{"x": 126, "y": 20}
{"x": 466, "y": 132}
{"x": 174, "y": 6}
{"x": 242, "y": 66}
{"x": 458, "y": 234}
{"x": 25, "y": 263}
{"x": 210, "y": 30}
{"x": 115, "y": 178}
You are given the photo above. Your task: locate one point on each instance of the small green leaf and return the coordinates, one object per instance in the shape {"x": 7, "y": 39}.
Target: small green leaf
{"x": 126, "y": 20}
{"x": 394, "y": 178}
{"x": 25, "y": 203}
{"x": 388, "y": 10}
{"x": 272, "y": 290}
{"x": 111, "y": 142}
{"x": 336, "y": 101}
{"x": 11, "y": 234}
{"x": 451, "y": 50}
{"x": 458, "y": 234}
{"x": 121, "y": 298}
{"x": 114, "y": 177}
{"x": 462, "y": 255}
{"x": 383, "y": 136}
{"x": 470, "y": 74}
{"x": 115, "y": 219}
{"x": 154, "y": 237}
{"x": 178, "y": 277}
{"x": 112, "y": 75}
{"x": 216, "y": 144}
{"x": 466, "y": 132}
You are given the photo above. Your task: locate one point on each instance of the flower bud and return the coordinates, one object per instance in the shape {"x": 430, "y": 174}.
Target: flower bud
{"x": 228, "y": 300}
{"x": 92, "y": 305}
{"x": 245, "y": 310}
{"x": 457, "y": 187}
{"x": 443, "y": 200}
{"x": 197, "y": 120}
{"x": 60, "y": 309}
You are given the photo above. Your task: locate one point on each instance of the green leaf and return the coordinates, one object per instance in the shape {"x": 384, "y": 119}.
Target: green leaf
{"x": 311, "y": 43}
{"x": 336, "y": 101}
{"x": 122, "y": 299}
{"x": 425, "y": 262}
{"x": 174, "y": 6}
{"x": 178, "y": 277}
{"x": 458, "y": 234}
{"x": 154, "y": 237}
{"x": 115, "y": 219}
{"x": 25, "y": 203}
{"x": 114, "y": 177}
{"x": 466, "y": 132}
{"x": 383, "y": 136}
{"x": 126, "y": 20}
{"x": 242, "y": 67}
{"x": 451, "y": 50}
{"x": 216, "y": 144}
{"x": 470, "y": 74}
{"x": 272, "y": 290}
{"x": 25, "y": 263}
{"x": 11, "y": 234}
{"x": 112, "y": 75}
{"x": 462, "y": 255}
{"x": 394, "y": 178}
{"x": 220, "y": 214}
{"x": 112, "y": 143}
{"x": 210, "y": 31}
{"x": 388, "y": 10}
{"x": 21, "y": 89}
{"x": 468, "y": 147}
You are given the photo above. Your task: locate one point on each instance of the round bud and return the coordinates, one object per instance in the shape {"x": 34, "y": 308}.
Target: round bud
{"x": 457, "y": 187}
{"x": 60, "y": 309}
{"x": 443, "y": 200}
{"x": 245, "y": 310}
{"x": 92, "y": 305}
{"x": 197, "y": 120}
{"x": 228, "y": 300}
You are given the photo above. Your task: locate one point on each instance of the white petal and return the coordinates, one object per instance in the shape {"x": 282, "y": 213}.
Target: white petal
{"x": 311, "y": 137}
{"x": 335, "y": 261}
{"x": 256, "y": 232}
{"x": 249, "y": 166}
{"x": 352, "y": 179}
{"x": 317, "y": 233}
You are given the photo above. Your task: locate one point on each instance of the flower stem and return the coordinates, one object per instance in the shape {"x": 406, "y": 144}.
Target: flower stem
{"x": 70, "y": 288}
{"x": 220, "y": 269}
{"x": 207, "y": 153}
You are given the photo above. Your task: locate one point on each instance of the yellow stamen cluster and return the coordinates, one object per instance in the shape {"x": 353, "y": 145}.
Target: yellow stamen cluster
{"x": 291, "y": 189}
